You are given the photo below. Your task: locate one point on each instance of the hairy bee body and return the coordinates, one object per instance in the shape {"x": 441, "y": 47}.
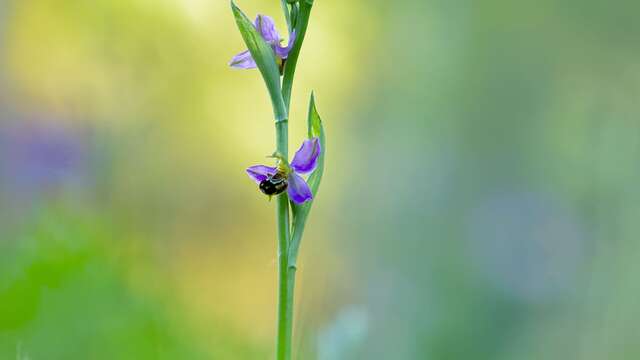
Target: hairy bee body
{"x": 274, "y": 184}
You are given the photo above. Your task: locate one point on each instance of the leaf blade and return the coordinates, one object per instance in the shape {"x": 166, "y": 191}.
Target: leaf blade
{"x": 301, "y": 212}
{"x": 265, "y": 59}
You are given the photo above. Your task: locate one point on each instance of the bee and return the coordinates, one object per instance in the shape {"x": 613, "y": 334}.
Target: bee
{"x": 274, "y": 184}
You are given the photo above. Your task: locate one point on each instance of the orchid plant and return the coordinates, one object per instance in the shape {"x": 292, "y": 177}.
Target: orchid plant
{"x": 294, "y": 195}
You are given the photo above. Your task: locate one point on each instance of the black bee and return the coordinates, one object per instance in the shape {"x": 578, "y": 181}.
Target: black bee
{"x": 274, "y": 184}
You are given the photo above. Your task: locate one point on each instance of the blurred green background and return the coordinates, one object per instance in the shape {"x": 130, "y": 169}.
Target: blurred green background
{"x": 480, "y": 198}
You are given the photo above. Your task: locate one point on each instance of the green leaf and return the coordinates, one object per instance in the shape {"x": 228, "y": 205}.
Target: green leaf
{"x": 315, "y": 129}
{"x": 301, "y": 212}
{"x": 265, "y": 58}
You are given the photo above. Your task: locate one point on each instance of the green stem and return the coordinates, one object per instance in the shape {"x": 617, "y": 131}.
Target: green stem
{"x": 283, "y": 343}
{"x": 287, "y": 273}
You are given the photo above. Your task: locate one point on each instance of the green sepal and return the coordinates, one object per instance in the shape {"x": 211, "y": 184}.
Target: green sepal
{"x": 301, "y": 212}
{"x": 287, "y": 15}
{"x": 295, "y": 10}
{"x": 265, "y": 58}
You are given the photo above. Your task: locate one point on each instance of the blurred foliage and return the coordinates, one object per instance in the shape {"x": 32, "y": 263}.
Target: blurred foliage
{"x": 63, "y": 297}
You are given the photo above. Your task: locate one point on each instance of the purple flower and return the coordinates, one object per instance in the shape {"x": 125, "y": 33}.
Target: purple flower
{"x": 267, "y": 29}
{"x": 275, "y": 180}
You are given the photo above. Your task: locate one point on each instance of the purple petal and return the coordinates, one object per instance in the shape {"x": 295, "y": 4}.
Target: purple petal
{"x": 283, "y": 52}
{"x": 243, "y": 61}
{"x": 306, "y": 158}
{"x": 259, "y": 173}
{"x": 267, "y": 28}
{"x": 298, "y": 190}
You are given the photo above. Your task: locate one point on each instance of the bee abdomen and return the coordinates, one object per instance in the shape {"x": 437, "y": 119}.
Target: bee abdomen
{"x": 273, "y": 186}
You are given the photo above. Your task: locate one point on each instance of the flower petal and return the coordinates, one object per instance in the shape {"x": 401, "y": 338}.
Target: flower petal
{"x": 283, "y": 52}
{"x": 243, "y": 61}
{"x": 298, "y": 190}
{"x": 259, "y": 173}
{"x": 267, "y": 28}
{"x": 306, "y": 158}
